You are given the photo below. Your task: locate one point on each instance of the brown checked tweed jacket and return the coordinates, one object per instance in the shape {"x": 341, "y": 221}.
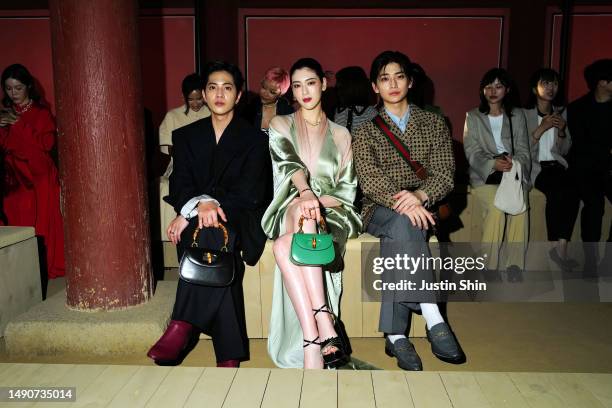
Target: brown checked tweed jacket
{"x": 382, "y": 172}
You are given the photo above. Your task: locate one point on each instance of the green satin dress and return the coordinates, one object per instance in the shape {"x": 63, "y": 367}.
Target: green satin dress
{"x": 334, "y": 176}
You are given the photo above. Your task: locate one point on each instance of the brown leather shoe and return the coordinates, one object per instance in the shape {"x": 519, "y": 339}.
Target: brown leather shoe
{"x": 174, "y": 344}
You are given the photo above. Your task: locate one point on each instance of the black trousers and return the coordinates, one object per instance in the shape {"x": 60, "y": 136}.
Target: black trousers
{"x": 609, "y": 196}
{"x": 561, "y": 206}
{"x": 217, "y": 312}
{"x": 590, "y": 188}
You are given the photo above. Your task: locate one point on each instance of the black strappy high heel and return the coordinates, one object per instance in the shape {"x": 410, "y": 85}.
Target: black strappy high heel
{"x": 311, "y": 342}
{"x": 339, "y": 357}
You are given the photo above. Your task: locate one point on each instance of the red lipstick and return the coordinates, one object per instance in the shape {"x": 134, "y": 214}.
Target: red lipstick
{"x": 306, "y": 100}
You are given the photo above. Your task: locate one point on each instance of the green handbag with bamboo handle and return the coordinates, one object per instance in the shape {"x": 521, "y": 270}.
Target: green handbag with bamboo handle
{"x": 309, "y": 249}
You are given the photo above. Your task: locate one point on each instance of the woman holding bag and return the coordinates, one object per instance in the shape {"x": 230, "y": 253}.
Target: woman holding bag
{"x": 495, "y": 140}
{"x": 313, "y": 178}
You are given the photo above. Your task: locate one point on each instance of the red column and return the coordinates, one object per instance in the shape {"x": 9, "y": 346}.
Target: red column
{"x": 101, "y": 149}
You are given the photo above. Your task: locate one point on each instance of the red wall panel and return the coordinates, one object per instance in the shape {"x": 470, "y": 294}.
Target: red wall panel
{"x": 167, "y": 56}
{"x": 27, "y": 41}
{"x": 167, "y": 53}
{"x": 590, "y": 39}
{"x": 455, "y": 50}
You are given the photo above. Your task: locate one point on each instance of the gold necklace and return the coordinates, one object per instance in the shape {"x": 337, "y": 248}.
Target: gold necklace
{"x": 317, "y": 123}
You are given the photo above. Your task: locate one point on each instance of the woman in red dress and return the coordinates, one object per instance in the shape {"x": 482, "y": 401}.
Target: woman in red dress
{"x": 31, "y": 188}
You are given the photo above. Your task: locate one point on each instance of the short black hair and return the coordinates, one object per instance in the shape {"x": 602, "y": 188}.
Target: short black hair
{"x": 353, "y": 87}
{"x": 216, "y": 66}
{"x": 20, "y": 73}
{"x": 309, "y": 63}
{"x": 600, "y": 70}
{"x": 548, "y": 75}
{"x": 388, "y": 57}
{"x": 506, "y": 80}
{"x": 192, "y": 82}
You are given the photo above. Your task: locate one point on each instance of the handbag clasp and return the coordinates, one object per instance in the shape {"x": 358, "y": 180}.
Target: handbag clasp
{"x": 314, "y": 242}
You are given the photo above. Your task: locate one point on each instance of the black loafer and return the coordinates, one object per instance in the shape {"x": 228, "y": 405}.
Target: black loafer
{"x": 514, "y": 273}
{"x": 444, "y": 345}
{"x": 403, "y": 350}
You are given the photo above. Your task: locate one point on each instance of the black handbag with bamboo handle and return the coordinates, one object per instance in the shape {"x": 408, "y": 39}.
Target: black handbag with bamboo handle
{"x": 208, "y": 267}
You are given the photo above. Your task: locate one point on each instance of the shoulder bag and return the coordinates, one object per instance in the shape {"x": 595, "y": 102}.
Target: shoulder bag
{"x": 441, "y": 210}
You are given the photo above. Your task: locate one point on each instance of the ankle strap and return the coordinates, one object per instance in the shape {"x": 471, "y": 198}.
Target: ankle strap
{"x": 311, "y": 342}
{"x": 324, "y": 308}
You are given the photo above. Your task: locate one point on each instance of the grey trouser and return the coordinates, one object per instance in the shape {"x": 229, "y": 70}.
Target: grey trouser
{"x": 398, "y": 236}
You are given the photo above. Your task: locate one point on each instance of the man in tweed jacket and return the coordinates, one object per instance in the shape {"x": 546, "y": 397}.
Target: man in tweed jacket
{"x": 396, "y": 203}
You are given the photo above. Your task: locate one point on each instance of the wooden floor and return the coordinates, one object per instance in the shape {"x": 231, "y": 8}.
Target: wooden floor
{"x": 151, "y": 386}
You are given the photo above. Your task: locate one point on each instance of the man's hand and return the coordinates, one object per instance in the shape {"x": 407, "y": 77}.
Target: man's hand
{"x": 209, "y": 213}
{"x": 419, "y": 216}
{"x": 176, "y": 228}
{"x": 405, "y": 199}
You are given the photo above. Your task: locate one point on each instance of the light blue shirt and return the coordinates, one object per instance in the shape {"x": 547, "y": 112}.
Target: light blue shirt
{"x": 402, "y": 122}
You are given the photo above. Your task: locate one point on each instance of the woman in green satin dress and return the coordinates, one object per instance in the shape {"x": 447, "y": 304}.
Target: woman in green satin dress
{"x": 313, "y": 177}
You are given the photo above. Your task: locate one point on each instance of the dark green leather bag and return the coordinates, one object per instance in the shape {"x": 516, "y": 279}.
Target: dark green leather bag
{"x": 312, "y": 249}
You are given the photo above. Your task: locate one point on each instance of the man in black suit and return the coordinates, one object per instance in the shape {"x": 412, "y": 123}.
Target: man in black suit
{"x": 222, "y": 173}
{"x": 590, "y": 122}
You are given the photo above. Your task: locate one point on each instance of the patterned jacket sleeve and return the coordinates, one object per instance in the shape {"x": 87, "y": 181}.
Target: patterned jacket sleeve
{"x": 441, "y": 167}
{"x": 375, "y": 184}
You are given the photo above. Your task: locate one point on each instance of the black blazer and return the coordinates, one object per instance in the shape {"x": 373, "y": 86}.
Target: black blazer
{"x": 237, "y": 172}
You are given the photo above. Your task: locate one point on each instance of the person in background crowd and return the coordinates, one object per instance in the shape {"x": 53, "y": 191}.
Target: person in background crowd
{"x": 314, "y": 178}
{"x": 31, "y": 183}
{"x": 590, "y": 123}
{"x": 271, "y": 100}
{"x": 221, "y": 172}
{"x": 492, "y": 131}
{"x": 354, "y": 98}
{"x": 397, "y": 201}
{"x": 550, "y": 141}
{"x": 194, "y": 109}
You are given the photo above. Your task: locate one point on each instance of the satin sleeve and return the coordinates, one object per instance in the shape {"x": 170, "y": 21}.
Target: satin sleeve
{"x": 344, "y": 218}
{"x": 285, "y": 162}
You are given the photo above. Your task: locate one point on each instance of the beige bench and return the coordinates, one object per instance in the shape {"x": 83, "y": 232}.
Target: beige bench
{"x": 361, "y": 318}
{"x": 20, "y": 286}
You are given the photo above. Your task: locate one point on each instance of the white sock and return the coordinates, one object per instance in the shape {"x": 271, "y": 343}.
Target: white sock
{"x": 431, "y": 314}
{"x": 393, "y": 337}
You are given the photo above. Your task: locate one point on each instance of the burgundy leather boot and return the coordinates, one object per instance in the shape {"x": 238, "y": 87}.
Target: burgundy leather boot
{"x": 229, "y": 363}
{"x": 172, "y": 343}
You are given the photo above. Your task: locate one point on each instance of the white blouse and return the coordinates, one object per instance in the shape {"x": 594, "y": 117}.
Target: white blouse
{"x": 496, "y": 127}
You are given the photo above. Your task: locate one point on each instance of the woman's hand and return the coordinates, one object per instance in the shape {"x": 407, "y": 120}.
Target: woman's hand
{"x": 419, "y": 216}
{"x": 176, "y": 228}
{"x": 547, "y": 123}
{"x": 405, "y": 199}
{"x": 7, "y": 117}
{"x": 558, "y": 121}
{"x": 503, "y": 163}
{"x": 309, "y": 205}
{"x": 209, "y": 213}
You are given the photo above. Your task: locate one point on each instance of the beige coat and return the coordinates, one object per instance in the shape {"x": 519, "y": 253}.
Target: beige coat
{"x": 479, "y": 145}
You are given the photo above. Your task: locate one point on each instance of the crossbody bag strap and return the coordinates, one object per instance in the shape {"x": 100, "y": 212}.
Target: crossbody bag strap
{"x": 400, "y": 147}
{"x": 511, "y": 133}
